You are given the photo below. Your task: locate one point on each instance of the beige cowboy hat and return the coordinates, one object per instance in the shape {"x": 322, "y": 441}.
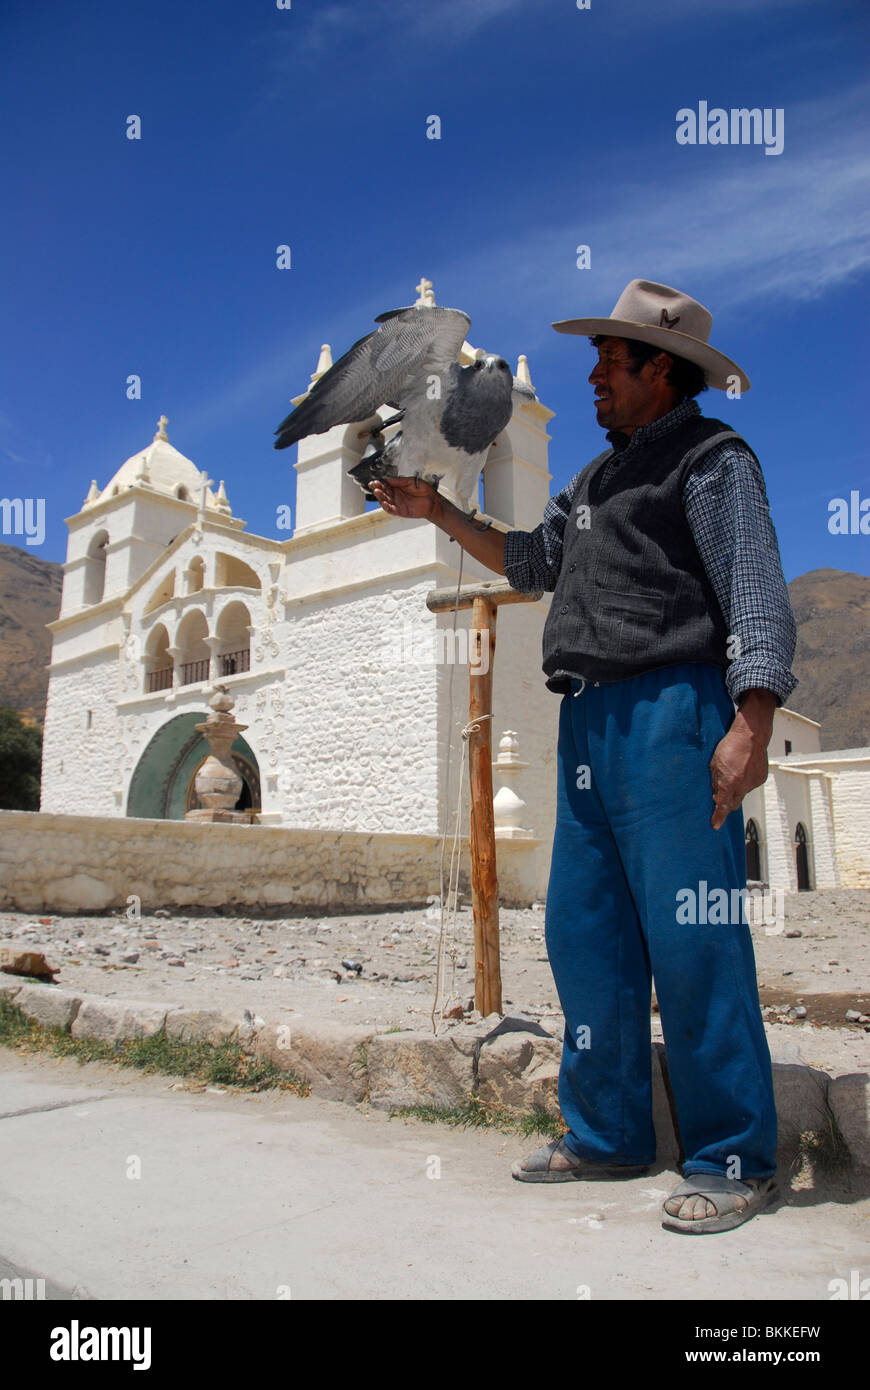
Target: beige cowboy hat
{"x": 668, "y": 319}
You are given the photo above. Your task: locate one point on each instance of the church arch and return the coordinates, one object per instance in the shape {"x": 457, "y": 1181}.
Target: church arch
{"x": 95, "y": 568}
{"x": 356, "y": 439}
{"x": 193, "y": 649}
{"x": 497, "y": 480}
{"x": 158, "y": 662}
{"x": 753, "y": 852}
{"x": 802, "y": 858}
{"x": 160, "y": 787}
{"x": 195, "y": 575}
{"x": 233, "y": 653}
{"x": 233, "y": 573}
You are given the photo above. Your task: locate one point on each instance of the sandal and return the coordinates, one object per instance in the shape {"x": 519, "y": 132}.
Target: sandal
{"x": 758, "y": 1193}
{"x": 536, "y": 1168}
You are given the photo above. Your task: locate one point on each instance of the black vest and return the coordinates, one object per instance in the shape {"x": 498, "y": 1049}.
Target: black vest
{"x": 632, "y": 592}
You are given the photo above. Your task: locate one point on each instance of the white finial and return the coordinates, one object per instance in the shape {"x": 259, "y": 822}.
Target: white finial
{"x": 426, "y": 297}
{"x": 93, "y": 493}
{"x": 143, "y": 477}
{"x": 508, "y": 755}
{"x": 523, "y": 370}
{"x": 324, "y": 362}
{"x": 161, "y": 429}
{"x": 221, "y": 500}
{"x": 508, "y": 809}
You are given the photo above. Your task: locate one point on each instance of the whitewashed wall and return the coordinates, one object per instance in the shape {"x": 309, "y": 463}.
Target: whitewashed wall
{"x": 76, "y": 863}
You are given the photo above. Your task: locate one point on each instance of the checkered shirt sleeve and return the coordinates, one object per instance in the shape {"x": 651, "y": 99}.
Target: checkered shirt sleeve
{"x": 532, "y": 559}
{"x": 726, "y": 506}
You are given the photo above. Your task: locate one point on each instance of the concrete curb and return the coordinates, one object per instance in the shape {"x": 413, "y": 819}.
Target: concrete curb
{"x": 508, "y": 1067}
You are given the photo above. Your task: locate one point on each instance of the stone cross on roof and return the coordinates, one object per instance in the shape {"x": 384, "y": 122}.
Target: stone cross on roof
{"x": 204, "y": 482}
{"x": 161, "y": 428}
{"x": 424, "y": 290}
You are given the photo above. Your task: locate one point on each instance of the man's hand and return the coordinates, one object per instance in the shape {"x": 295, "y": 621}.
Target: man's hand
{"x": 409, "y": 498}
{"x": 405, "y": 496}
{"x": 739, "y": 763}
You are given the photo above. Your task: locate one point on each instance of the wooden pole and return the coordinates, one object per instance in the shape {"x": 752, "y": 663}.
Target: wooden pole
{"x": 484, "y": 600}
{"x": 484, "y": 881}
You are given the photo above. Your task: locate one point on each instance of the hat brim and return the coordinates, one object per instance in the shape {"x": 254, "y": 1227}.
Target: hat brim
{"x": 719, "y": 370}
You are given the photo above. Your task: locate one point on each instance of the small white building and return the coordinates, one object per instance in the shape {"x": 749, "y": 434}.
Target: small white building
{"x": 809, "y": 825}
{"x": 325, "y": 641}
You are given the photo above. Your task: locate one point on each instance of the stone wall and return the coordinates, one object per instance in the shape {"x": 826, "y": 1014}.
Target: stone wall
{"x": 80, "y": 740}
{"x": 851, "y": 814}
{"x": 359, "y": 739}
{"x": 70, "y": 863}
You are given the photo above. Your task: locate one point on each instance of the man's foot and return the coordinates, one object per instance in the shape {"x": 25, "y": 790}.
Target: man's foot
{"x": 708, "y": 1202}
{"x": 555, "y": 1162}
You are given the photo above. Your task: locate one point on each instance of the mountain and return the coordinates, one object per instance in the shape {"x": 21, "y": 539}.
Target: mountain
{"x": 832, "y": 662}
{"x": 30, "y": 591}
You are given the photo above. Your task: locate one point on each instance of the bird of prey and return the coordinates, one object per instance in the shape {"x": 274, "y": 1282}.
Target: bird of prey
{"x": 449, "y": 414}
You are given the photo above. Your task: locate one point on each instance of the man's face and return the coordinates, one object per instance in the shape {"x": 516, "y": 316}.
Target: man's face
{"x": 623, "y": 401}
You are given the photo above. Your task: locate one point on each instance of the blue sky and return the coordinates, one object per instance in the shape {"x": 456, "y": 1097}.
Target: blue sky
{"x": 307, "y": 126}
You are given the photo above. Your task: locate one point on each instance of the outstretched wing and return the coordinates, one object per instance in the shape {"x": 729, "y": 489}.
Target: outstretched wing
{"x": 378, "y": 370}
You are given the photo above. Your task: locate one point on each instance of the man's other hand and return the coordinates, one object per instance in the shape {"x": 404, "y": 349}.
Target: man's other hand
{"x": 739, "y": 764}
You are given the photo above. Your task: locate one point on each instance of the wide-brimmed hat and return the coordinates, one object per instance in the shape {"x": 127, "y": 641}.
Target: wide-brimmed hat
{"x": 668, "y": 319}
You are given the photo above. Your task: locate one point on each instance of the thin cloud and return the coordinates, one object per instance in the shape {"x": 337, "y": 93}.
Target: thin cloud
{"x": 678, "y": 9}
{"x": 406, "y": 21}
{"x": 20, "y": 451}
{"x": 410, "y": 22}
{"x": 790, "y": 229}
{"x": 805, "y": 235}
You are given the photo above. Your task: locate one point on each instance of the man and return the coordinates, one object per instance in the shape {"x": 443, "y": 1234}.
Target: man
{"x": 669, "y": 607}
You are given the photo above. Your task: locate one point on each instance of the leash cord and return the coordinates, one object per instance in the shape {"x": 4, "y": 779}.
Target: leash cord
{"x": 455, "y": 854}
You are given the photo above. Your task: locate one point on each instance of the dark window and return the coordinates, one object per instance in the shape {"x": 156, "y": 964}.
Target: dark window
{"x": 802, "y": 859}
{"x": 753, "y": 852}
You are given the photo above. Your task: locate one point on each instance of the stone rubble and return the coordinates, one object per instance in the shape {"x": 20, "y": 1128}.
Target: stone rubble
{"x": 355, "y": 995}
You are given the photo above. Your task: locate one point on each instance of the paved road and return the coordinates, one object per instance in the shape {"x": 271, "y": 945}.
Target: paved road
{"x": 270, "y": 1196}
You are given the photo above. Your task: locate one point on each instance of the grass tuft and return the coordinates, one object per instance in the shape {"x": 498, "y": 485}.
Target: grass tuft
{"x": 823, "y": 1152}
{"x": 476, "y": 1113}
{"x": 213, "y": 1064}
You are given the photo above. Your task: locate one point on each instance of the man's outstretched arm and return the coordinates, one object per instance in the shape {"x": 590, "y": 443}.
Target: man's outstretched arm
{"x": 409, "y": 498}
{"x": 529, "y": 560}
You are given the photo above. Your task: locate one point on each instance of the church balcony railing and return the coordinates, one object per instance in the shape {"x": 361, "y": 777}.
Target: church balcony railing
{"x": 158, "y": 680}
{"x": 231, "y": 663}
{"x": 192, "y": 671}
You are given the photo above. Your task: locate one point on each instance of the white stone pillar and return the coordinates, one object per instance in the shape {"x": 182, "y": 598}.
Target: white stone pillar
{"x": 516, "y": 845}
{"x": 781, "y": 870}
{"x": 825, "y": 872}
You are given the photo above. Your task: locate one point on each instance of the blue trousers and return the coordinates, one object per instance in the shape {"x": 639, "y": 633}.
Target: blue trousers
{"x": 635, "y": 864}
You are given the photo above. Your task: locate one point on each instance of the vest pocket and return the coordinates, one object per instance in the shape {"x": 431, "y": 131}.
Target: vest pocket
{"x": 628, "y": 624}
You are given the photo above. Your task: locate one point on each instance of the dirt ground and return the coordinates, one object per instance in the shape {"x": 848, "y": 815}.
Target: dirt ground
{"x": 307, "y": 967}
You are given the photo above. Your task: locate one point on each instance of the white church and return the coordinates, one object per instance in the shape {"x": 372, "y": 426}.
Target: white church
{"x": 318, "y": 632}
